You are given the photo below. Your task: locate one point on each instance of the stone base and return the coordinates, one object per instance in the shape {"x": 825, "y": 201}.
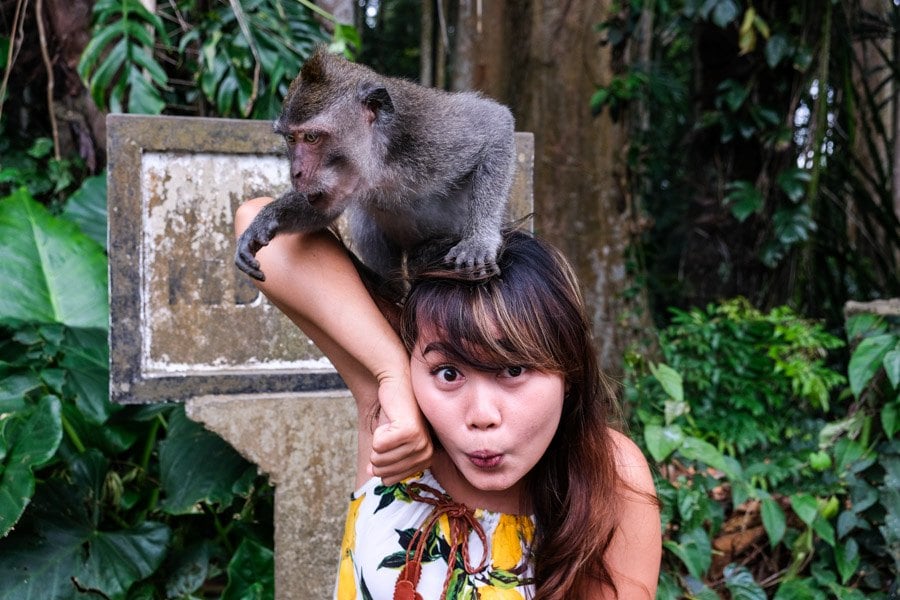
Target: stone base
{"x": 306, "y": 443}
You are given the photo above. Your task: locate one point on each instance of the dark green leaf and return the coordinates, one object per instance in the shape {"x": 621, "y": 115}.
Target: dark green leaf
{"x": 87, "y": 361}
{"x": 251, "y": 573}
{"x": 866, "y": 359}
{"x": 889, "y": 421}
{"x": 65, "y": 546}
{"x": 108, "y": 73}
{"x": 53, "y": 272}
{"x": 191, "y": 567}
{"x": 824, "y": 530}
{"x": 892, "y": 367}
{"x": 799, "y": 589}
{"x": 741, "y": 584}
{"x": 29, "y": 440}
{"x": 143, "y": 98}
{"x": 185, "y": 457}
{"x": 96, "y": 48}
{"x": 777, "y": 48}
{"x": 847, "y": 558}
{"x": 744, "y": 199}
{"x": 87, "y": 208}
{"x": 694, "y": 550}
{"x": 773, "y": 520}
{"x": 793, "y": 183}
{"x": 793, "y": 225}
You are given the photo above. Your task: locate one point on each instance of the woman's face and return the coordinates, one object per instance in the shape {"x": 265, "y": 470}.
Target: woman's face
{"x": 494, "y": 426}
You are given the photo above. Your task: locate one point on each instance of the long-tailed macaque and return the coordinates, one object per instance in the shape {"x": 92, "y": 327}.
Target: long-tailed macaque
{"x": 412, "y": 166}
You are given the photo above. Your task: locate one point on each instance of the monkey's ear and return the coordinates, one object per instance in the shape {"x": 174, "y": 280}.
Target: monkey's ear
{"x": 376, "y": 98}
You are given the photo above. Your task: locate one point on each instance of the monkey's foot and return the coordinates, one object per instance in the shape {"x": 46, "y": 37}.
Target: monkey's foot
{"x": 471, "y": 257}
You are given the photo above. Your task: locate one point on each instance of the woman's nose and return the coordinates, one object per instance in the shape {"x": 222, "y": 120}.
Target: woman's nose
{"x": 483, "y": 408}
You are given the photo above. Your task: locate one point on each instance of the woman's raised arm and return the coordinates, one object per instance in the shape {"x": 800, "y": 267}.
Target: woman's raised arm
{"x": 311, "y": 278}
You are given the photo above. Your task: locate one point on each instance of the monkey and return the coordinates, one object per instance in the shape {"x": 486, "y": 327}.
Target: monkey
{"x": 412, "y": 166}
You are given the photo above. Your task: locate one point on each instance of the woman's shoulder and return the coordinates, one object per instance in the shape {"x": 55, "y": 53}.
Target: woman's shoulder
{"x": 631, "y": 465}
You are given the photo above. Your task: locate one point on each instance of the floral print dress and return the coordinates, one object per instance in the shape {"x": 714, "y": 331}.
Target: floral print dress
{"x": 382, "y": 523}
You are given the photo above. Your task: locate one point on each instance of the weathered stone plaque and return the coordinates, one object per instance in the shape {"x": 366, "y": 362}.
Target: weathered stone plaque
{"x": 184, "y": 321}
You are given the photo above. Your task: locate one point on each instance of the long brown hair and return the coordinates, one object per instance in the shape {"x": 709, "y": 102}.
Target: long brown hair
{"x": 533, "y": 315}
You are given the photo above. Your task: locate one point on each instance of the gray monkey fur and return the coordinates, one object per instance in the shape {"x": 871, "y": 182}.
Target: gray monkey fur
{"x": 412, "y": 166}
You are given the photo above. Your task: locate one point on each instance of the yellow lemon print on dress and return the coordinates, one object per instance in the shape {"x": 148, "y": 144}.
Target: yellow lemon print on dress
{"x": 346, "y": 587}
{"x": 490, "y": 592}
{"x": 506, "y": 543}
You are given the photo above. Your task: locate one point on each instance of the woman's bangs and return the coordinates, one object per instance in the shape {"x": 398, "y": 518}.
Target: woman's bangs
{"x": 479, "y": 326}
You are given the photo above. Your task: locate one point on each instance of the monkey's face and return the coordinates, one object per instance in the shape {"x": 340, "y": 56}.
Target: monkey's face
{"x": 327, "y": 158}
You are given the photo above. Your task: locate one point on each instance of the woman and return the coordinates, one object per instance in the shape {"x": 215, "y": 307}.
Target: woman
{"x": 529, "y": 493}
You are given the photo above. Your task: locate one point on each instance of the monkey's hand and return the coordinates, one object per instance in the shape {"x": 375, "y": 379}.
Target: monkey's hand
{"x": 476, "y": 254}
{"x": 260, "y": 232}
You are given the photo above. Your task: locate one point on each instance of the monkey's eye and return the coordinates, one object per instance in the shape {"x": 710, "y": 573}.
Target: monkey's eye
{"x": 289, "y": 138}
{"x": 311, "y": 138}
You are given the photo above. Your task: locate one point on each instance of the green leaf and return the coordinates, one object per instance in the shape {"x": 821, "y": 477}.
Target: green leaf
{"x": 725, "y": 12}
{"x": 699, "y": 450}
{"x": 96, "y": 48}
{"x": 694, "y": 550}
{"x": 793, "y": 225}
{"x": 86, "y": 359}
{"x": 825, "y": 531}
{"x": 793, "y": 182}
{"x": 864, "y": 325}
{"x": 47, "y": 565}
{"x": 805, "y": 506}
{"x": 251, "y": 573}
{"x": 741, "y": 584}
{"x": 799, "y": 589}
{"x": 670, "y": 380}
{"x": 104, "y": 79}
{"x": 87, "y": 208}
{"x": 143, "y": 98}
{"x": 53, "y": 272}
{"x": 847, "y": 558}
{"x": 30, "y": 440}
{"x": 185, "y": 456}
{"x": 866, "y": 359}
{"x": 662, "y": 441}
{"x": 777, "y": 48}
{"x": 191, "y": 568}
{"x": 889, "y": 421}
{"x": 892, "y": 366}
{"x": 773, "y": 520}
{"x": 744, "y": 199}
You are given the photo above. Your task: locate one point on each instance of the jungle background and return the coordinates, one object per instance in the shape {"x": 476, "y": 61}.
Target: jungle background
{"x": 724, "y": 174}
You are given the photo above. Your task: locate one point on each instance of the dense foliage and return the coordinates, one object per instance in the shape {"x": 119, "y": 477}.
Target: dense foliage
{"x": 768, "y": 488}
{"x": 97, "y": 499}
{"x": 762, "y": 150}
{"x": 760, "y": 143}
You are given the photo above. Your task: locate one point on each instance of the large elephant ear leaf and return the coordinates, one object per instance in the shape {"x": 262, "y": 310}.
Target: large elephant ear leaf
{"x": 52, "y": 272}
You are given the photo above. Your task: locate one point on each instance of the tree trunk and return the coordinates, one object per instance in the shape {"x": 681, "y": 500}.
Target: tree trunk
{"x": 544, "y": 59}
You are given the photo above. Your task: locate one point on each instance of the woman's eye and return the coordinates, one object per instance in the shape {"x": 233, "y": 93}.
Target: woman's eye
{"x": 447, "y": 374}
{"x": 515, "y": 371}
{"x": 310, "y": 138}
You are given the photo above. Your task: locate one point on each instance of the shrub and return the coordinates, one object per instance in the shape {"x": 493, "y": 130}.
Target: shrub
{"x": 764, "y": 495}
